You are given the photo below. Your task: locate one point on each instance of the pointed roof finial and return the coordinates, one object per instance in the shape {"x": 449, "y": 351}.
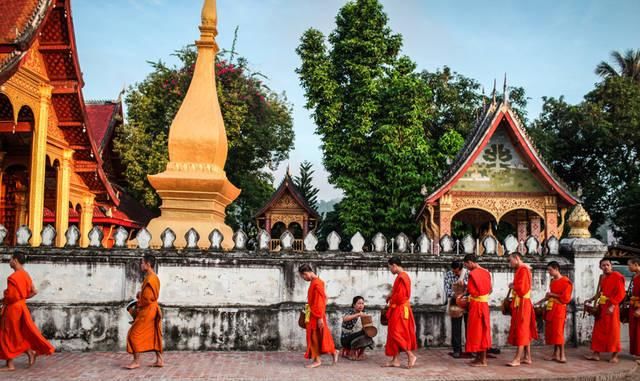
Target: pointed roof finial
{"x": 484, "y": 103}
{"x": 493, "y": 93}
{"x": 505, "y": 92}
{"x": 289, "y": 169}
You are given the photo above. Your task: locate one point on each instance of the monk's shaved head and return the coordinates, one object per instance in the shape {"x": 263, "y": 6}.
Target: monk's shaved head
{"x": 19, "y": 257}
{"x": 150, "y": 260}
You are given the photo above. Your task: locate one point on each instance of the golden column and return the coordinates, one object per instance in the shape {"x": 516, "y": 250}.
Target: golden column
{"x": 86, "y": 219}
{"x": 62, "y": 197}
{"x": 38, "y": 163}
{"x": 194, "y": 187}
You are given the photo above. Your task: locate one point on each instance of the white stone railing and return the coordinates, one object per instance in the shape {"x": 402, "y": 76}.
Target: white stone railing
{"x": 401, "y": 244}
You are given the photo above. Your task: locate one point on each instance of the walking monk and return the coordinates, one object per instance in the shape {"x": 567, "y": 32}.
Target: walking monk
{"x": 634, "y": 309}
{"x": 401, "y": 332}
{"x": 145, "y": 334}
{"x": 319, "y": 339}
{"x": 606, "y": 329}
{"x": 523, "y": 320}
{"x": 479, "y": 322}
{"x": 559, "y": 295}
{"x": 18, "y": 333}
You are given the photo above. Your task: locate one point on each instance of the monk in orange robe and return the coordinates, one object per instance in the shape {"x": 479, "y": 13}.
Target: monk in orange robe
{"x": 401, "y": 332}
{"x": 606, "y": 329}
{"x": 18, "y": 333}
{"x": 555, "y": 315}
{"x": 523, "y": 327}
{"x": 634, "y": 310}
{"x": 319, "y": 339}
{"x": 479, "y": 320}
{"x": 145, "y": 334}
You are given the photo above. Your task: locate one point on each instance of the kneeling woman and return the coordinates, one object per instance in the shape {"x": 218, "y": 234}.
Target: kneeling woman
{"x": 353, "y": 338}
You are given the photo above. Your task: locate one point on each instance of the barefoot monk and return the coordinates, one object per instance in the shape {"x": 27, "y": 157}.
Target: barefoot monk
{"x": 145, "y": 335}
{"x": 606, "y": 329}
{"x": 18, "y": 333}
{"x": 479, "y": 321}
{"x": 555, "y": 315}
{"x": 523, "y": 320}
{"x": 401, "y": 332}
{"x": 319, "y": 339}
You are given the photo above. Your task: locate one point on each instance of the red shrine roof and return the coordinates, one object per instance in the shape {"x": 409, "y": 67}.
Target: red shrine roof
{"x": 287, "y": 185}
{"x": 51, "y": 23}
{"x": 494, "y": 116}
{"x": 103, "y": 117}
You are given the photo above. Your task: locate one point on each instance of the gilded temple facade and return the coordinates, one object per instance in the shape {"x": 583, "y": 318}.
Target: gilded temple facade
{"x": 498, "y": 177}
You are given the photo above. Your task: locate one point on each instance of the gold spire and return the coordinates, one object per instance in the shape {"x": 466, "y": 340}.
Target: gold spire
{"x": 579, "y": 222}
{"x": 194, "y": 187}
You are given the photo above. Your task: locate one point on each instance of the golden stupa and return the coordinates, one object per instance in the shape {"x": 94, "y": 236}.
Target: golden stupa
{"x": 194, "y": 187}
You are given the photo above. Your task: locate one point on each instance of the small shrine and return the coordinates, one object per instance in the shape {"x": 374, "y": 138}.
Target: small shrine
{"x": 287, "y": 210}
{"x": 498, "y": 177}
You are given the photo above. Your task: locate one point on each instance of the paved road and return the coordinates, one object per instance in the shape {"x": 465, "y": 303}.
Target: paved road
{"x": 433, "y": 364}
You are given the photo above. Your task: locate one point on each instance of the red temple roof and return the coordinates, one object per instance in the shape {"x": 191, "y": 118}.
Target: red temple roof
{"x": 287, "y": 184}
{"x": 496, "y": 115}
{"x": 103, "y": 117}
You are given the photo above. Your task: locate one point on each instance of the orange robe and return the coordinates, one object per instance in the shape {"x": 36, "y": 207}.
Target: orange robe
{"x": 523, "y": 320}
{"x": 606, "y": 329}
{"x": 319, "y": 340}
{"x": 634, "y": 322}
{"x": 18, "y": 333}
{"x": 401, "y": 331}
{"x": 479, "y": 319}
{"x": 145, "y": 334}
{"x": 556, "y": 311}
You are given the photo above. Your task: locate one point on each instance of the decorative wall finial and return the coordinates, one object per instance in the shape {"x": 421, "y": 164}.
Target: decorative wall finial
{"x": 579, "y": 222}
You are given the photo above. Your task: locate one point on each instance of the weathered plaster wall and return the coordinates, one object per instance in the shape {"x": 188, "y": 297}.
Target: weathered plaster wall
{"x": 240, "y": 300}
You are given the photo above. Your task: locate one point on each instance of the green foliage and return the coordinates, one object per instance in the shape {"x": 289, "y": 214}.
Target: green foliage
{"x": 371, "y": 110}
{"x": 595, "y": 145}
{"x": 628, "y": 65}
{"x": 304, "y": 182}
{"x": 257, "y": 120}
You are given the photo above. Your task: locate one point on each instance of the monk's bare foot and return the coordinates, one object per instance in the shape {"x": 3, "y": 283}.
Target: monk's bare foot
{"x": 478, "y": 364}
{"x": 592, "y": 357}
{"x": 614, "y": 360}
{"x": 527, "y": 361}
{"x": 411, "y": 361}
{"x": 513, "y": 363}
{"x": 32, "y": 357}
{"x": 7, "y": 369}
{"x": 157, "y": 364}
{"x": 336, "y": 357}
{"x": 561, "y": 360}
{"x": 133, "y": 365}
{"x": 361, "y": 357}
{"x": 392, "y": 364}
{"x": 314, "y": 364}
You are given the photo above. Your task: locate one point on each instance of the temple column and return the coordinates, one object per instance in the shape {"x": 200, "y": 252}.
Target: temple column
{"x": 305, "y": 226}
{"x": 522, "y": 224}
{"x": 86, "y": 219}
{"x": 535, "y": 226}
{"x": 267, "y": 224}
{"x": 38, "y": 164}
{"x": 21, "y": 207}
{"x": 445, "y": 216}
{"x": 551, "y": 217}
{"x": 62, "y": 197}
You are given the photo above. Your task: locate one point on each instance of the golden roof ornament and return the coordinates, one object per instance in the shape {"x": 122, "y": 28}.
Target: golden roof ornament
{"x": 579, "y": 222}
{"x": 194, "y": 187}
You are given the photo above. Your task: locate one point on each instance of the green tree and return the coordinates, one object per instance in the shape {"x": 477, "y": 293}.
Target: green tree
{"x": 257, "y": 120}
{"x": 304, "y": 182}
{"x": 628, "y": 65}
{"x": 370, "y": 108}
{"x": 595, "y": 145}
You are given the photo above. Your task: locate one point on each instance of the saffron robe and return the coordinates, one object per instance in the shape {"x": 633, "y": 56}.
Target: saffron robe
{"x": 523, "y": 319}
{"x": 319, "y": 340}
{"x": 634, "y": 322}
{"x": 479, "y": 319}
{"x": 401, "y": 330}
{"x": 145, "y": 334}
{"x": 18, "y": 333}
{"x": 556, "y": 311}
{"x": 606, "y": 329}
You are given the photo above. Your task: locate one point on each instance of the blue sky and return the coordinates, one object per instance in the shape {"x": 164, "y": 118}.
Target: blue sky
{"x": 549, "y": 47}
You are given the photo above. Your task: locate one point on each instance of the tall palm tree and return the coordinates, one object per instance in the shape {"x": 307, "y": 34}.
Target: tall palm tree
{"x": 628, "y": 65}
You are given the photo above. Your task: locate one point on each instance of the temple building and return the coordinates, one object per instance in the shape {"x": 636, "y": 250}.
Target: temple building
{"x": 287, "y": 210}
{"x": 498, "y": 177}
{"x": 56, "y": 155}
